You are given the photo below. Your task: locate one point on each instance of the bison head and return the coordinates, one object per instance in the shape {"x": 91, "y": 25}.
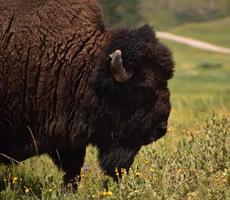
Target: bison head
{"x": 133, "y": 97}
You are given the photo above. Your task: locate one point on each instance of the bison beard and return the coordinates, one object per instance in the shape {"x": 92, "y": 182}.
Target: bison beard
{"x": 117, "y": 158}
{"x": 66, "y": 82}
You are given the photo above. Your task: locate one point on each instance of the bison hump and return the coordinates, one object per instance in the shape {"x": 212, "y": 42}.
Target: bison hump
{"x": 56, "y": 18}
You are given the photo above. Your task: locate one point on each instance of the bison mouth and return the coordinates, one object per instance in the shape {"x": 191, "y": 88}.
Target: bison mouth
{"x": 153, "y": 134}
{"x": 114, "y": 159}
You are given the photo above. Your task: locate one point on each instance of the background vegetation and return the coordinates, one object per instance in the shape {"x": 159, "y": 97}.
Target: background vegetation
{"x": 164, "y": 14}
{"x": 193, "y": 160}
{"x": 120, "y": 12}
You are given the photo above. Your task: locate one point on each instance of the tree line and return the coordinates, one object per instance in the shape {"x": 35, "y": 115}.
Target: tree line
{"x": 161, "y": 12}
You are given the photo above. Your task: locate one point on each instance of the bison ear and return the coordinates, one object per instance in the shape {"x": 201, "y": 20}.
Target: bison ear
{"x": 119, "y": 73}
{"x": 147, "y": 33}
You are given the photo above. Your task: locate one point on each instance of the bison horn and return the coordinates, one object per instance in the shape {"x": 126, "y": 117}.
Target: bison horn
{"x": 119, "y": 73}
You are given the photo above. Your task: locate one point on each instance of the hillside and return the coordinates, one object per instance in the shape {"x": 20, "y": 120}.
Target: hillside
{"x": 216, "y": 32}
{"x": 163, "y": 14}
{"x": 166, "y": 14}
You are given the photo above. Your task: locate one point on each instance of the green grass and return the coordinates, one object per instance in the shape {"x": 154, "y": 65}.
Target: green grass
{"x": 197, "y": 90}
{"x": 216, "y": 32}
{"x": 191, "y": 162}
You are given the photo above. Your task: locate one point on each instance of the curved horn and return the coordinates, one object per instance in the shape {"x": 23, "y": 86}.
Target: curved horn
{"x": 119, "y": 73}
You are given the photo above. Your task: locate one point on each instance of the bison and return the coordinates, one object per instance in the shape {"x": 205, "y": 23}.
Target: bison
{"x": 67, "y": 81}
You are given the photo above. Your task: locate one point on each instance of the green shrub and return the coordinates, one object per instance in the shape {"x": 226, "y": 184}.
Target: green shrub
{"x": 209, "y": 65}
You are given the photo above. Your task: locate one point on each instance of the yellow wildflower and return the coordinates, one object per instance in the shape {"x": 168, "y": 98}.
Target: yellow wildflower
{"x": 123, "y": 171}
{"x": 191, "y": 195}
{"x": 26, "y": 189}
{"x": 82, "y": 174}
{"x": 138, "y": 173}
{"x": 180, "y": 171}
{"x": 109, "y": 193}
{"x": 225, "y": 180}
{"x": 50, "y": 190}
{"x": 170, "y": 129}
{"x": 116, "y": 171}
{"x": 105, "y": 193}
{"x": 14, "y": 179}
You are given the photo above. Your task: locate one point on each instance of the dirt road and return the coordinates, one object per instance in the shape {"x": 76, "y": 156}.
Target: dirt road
{"x": 193, "y": 43}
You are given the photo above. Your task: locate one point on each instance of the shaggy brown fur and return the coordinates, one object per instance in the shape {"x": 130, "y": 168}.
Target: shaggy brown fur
{"x": 57, "y": 91}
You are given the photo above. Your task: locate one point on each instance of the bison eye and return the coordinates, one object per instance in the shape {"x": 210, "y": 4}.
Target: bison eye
{"x": 142, "y": 96}
{"x": 145, "y": 91}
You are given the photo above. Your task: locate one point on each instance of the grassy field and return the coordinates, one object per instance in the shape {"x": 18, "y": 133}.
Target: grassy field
{"x": 216, "y": 32}
{"x": 191, "y": 162}
{"x": 201, "y": 84}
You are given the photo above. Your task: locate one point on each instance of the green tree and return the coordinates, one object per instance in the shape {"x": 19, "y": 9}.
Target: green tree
{"x": 120, "y": 12}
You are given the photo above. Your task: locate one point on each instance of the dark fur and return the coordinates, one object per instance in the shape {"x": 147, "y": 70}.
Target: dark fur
{"x": 57, "y": 90}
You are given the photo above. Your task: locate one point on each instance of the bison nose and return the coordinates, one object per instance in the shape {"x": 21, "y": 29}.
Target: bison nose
{"x": 161, "y": 130}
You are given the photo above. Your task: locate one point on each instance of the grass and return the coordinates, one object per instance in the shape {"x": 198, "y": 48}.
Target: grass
{"x": 197, "y": 90}
{"x": 191, "y": 162}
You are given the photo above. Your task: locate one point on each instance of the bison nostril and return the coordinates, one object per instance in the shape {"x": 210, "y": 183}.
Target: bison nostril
{"x": 161, "y": 129}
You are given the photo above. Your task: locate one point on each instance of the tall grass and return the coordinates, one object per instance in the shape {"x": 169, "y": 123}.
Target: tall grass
{"x": 196, "y": 167}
